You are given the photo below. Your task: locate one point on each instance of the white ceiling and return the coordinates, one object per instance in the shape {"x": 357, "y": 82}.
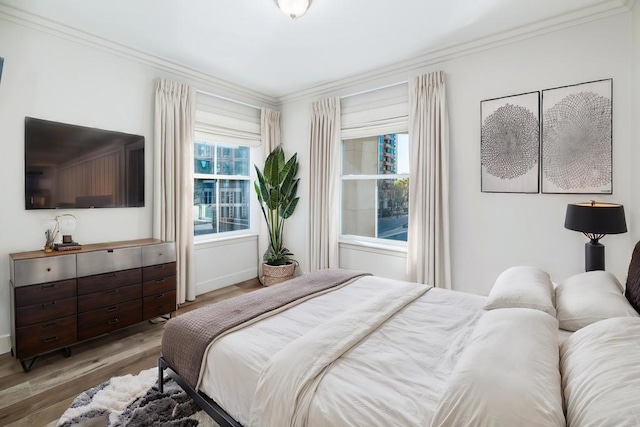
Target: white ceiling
{"x": 253, "y": 44}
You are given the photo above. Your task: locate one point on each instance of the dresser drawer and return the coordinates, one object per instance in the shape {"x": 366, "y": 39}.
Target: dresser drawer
{"x": 41, "y": 270}
{"x": 98, "y": 322}
{"x": 109, "y": 297}
{"x": 46, "y": 336}
{"x": 38, "y": 294}
{"x": 161, "y": 253}
{"x": 152, "y": 287}
{"x": 98, "y": 262}
{"x": 157, "y": 305}
{"x": 103, "y": 282}
{"x": 159, "y": 271}
{"x": 38, "y": 313}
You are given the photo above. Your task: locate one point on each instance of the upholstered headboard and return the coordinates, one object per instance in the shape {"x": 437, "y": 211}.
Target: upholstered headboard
{"x": 633, "y": 279}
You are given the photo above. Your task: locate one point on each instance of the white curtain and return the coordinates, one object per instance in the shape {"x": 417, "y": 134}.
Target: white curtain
{"x": 173, "y": 177}
{"x": 270, "y": 131}
{"x": 428, "y": 242}
{"x": 324, "y": 194}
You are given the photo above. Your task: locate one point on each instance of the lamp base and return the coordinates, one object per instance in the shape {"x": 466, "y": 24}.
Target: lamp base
{"x": 593, "y": 256}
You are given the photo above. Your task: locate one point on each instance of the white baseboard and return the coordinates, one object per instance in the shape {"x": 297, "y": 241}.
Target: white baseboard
{"x": 229, "y": 279}
{"x": 5, "y": 344}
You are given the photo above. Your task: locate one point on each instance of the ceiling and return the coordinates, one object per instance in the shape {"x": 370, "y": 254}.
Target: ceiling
{"x": 253, "y": 44}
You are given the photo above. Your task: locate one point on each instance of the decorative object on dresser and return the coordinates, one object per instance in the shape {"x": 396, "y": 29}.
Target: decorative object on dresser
{"x": 577, "y": 138}
{"x": 595, "y": 220}
{"x": 276, "y": 189}
{"x": 510, "y": 143}
{"x": 58, "y": 299}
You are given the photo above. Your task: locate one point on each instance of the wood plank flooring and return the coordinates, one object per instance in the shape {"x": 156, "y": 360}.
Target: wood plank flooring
{"x": 39, "y": 397}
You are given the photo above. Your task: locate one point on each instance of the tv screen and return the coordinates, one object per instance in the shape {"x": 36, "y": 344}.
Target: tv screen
{"x": 69, "y": 166}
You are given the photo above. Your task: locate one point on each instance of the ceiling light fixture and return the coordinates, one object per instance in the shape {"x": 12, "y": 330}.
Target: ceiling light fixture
{"x": 293, "y": 8}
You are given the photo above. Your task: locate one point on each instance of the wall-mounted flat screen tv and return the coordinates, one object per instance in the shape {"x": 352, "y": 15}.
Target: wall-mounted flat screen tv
{"x": 69, "y": 166}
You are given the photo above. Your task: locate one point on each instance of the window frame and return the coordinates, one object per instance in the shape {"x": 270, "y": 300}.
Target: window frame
{"x": 216, "y": 141}
{"x": 366, "y": 240}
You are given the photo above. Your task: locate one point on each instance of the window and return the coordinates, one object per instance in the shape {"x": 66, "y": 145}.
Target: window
{"x": 375, "y": 186}
{"x": 221, "y": 188}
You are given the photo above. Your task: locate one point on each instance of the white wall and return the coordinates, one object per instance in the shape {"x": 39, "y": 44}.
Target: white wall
{"x": 57, "y": 79}
{"x": 634, "y": 214}
{"x": 491, "y": 232}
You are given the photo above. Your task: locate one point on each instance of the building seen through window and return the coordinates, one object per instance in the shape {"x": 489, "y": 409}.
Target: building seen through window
{"x": 221, "y": 194}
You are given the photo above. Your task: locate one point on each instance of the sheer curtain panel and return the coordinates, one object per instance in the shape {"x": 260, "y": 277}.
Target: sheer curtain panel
{"x": 173, "y": 177}
{"x": 324, "y": 194}
{"x": 270, "y": 131}
{"x": 428, "y": 254}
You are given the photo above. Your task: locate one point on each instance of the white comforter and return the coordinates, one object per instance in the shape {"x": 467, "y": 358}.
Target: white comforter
{"x": 394, "y": 376}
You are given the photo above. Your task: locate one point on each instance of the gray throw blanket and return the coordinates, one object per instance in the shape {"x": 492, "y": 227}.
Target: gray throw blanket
{"x": 187, "y": 337}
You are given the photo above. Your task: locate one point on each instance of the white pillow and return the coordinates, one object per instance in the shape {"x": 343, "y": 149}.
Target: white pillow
{"x": 507, "y": 375}
{"x": 601, "y": 374}
{"x": 589, "y": 297}
{"x": 522, "y": 287}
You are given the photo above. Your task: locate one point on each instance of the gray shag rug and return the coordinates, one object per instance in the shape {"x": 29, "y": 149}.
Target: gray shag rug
{"x": 134, "y": 400}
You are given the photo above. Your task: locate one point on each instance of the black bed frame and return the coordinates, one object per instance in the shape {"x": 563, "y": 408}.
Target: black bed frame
{"x": 202, "y": 400}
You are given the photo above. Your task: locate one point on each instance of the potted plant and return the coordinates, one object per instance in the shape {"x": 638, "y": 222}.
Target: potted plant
{"x": 276, "y": 189}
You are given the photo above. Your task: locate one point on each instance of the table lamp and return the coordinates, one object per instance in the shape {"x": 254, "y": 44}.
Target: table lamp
{"x": 595, "y": 220}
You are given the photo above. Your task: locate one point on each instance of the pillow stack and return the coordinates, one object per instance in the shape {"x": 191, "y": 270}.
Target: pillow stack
{"x": 588, "y": 297}
{"x": 522, "y": 287}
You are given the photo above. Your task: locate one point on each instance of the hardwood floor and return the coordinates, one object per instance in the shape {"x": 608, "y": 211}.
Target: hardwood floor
{"x": 39, "y": 397}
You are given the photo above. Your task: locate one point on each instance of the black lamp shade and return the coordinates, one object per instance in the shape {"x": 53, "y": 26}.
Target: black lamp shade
{"x": 595, "y": 218}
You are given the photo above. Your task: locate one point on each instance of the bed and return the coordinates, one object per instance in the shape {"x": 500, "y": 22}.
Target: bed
{"x": 362, "y": 350}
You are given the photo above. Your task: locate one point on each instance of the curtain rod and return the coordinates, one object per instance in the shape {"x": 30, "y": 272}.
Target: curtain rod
{"x": 374, "y": 89}
{"x": 228, "y": 99}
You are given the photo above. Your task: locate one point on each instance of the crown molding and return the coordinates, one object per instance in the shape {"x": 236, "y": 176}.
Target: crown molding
{"x": 400, "y": 70}
{"x": 381, "y": 74}
{"x": 224, "y": 87}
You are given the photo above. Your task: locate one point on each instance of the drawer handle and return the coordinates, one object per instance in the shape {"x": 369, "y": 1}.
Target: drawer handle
{"x": 159, "y": 267}
{"x": 48, "y": 304}
{"x": 50, "y": 339}
{"x": 160, "y": 307}
{"x": 112, "y": 275}
{"x": 46, "y": 325}
{"x": 159, "y": 296}
{"x": 112, "y": 322}
{"x": 49, "y": 286}
{"x": 112, "y": 308}
{"x": 160, "y": 281}
{"x": 112, "y": 291}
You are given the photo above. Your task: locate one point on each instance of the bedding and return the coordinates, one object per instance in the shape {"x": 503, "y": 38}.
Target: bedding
{"x": 601, "y": 374}
{"x": 508, "y": 375}
{"x": 394, "y": 376}
{"x": 589, "y": 297}
{"x": 187, "y": 338}
{"x": 522, "y": 287}
{"x": 375, "y": 352}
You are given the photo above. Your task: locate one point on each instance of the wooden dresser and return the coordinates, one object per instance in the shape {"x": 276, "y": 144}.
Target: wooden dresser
{"x": 61, "y": 298}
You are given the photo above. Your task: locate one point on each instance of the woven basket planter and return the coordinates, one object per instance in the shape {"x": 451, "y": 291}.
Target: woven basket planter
{"x": 274, "y": 274}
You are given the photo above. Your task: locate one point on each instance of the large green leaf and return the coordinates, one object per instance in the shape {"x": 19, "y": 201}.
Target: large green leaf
{"x": 290, "y": 191}
{"x": 264, "y": 192}
{"x": 271, "y": 168}
{"x": 289, "y": 169}
{"x": 287, "y": 211}
{"x": 273, "y": 201}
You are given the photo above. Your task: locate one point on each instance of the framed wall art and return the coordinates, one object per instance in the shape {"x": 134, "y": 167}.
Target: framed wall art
{"x": 510, "y": 144}
{"x": 577, "y": 125}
